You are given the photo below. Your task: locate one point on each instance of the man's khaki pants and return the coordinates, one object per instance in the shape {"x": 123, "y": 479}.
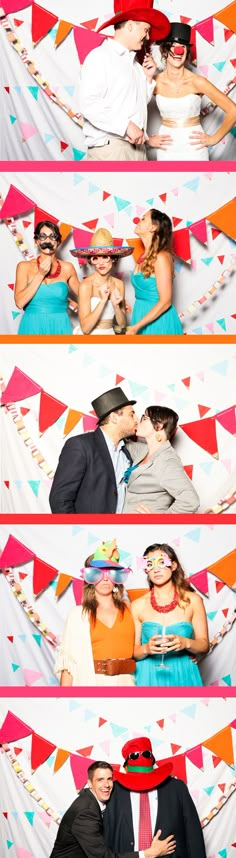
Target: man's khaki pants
{"x": 117, "y": 150}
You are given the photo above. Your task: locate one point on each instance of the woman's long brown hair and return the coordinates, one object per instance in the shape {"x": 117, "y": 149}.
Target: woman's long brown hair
{"x": 178, "y": 577}
{"x": 161, "y": 240}
{"x": 89, "y": 601}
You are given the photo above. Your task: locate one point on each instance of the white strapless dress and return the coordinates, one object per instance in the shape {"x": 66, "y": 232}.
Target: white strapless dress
{"x": 108, "y": 314}
{"x": 180, "y": 110}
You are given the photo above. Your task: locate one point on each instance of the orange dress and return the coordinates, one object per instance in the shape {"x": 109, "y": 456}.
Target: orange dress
{"x": 117, "y": 642}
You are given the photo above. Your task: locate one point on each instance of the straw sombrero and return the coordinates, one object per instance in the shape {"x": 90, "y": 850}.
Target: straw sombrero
{"x": 102, "y": 245}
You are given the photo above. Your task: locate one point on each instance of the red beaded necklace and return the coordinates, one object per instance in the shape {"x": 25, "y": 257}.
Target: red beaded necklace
{"x": 50, "y": 276}
{"x": 163, "y": 609}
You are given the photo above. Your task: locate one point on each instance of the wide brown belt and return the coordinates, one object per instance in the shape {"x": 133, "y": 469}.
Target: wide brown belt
{"x": 172, "y": 123}
{"x": 114, "y": 666}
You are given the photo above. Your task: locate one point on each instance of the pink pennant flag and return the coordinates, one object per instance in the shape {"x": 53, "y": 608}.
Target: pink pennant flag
{"x": 45, "y": 818}
{"x": 15, "y": 553}
{"x": 13, "y": 729}
{"x": 79, "y": 768}
{"x": 205, "y": 28}
{"x": 195, "y": 756}
{"x": 199, "y": 230}
{"x": 110, "y": 218}
{"x": 210, "y": 327}
{"x": 89, "y": 423}
{"x": 77, "y": 585}
{"x": 27, "y": 131}
{"x": 31, "y": 676}
{"x": 15, "y": 204}
{"x": 20, "y": 386}
{"x": 227, "y": 419}
{"x": 86, "y": 41}
{"x": 204, "y": 71}
{"x": 15, "y": 5}
{"x": 81, "y": 237}
{"x": 200, "y": 581}
{"x": 23, "y": 853}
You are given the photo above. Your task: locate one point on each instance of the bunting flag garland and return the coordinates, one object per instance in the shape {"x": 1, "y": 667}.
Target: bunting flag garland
{"x": 221, "y": 744}
{"x": 226, "y": 16}
{"x": 203, "y": 433}
{"x": 225, "y": 569}
{"x": 29, "y": 610}
{"x": 29, "y": 786}
{"x": 42, "y": 22}
{"x": 224, "y": 218}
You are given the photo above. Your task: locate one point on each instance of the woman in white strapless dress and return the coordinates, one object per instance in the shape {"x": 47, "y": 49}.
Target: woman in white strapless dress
{"x": 178, "y": 94}
{"x": 101, "y": 295}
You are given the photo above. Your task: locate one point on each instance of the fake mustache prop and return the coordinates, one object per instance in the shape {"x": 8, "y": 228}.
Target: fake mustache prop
{"x": 46, "y": 245}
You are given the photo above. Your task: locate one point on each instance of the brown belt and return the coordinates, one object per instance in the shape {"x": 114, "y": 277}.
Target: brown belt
{"x": 172, "y": 123}
{"x": 114, "y": 666}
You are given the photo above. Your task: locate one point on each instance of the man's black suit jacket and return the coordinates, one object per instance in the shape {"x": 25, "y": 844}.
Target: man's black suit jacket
{"x": 80, "y": 833}
{"x": 176, "y": 814}
{"x": 85, "y": 480}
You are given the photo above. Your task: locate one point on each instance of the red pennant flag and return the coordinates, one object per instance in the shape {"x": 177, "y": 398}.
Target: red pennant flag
{"x": 186, "y": 381}
{"x": 90, "y": 24}
{"x": 195, "y": 756}
{"x": 203, "y": 433}
{"x": 17, "y": 22}
{"x": 7, "y": 483}
{"x": 10, "y": 638}
{"x": 20, "y": 386}
{"x": 17, "y": 751}
{"x": 5, "y": 813}
{"x": 222, "y": 787}
{"x": 178, "y": 766}
{"x": 119, "y": 378}
{"x": 40, "y": 214}
{"x": 42, "y": 22}
{"x": 43, "y": 574}
{"x": 15, "y": 554}
{"x": 163, "y": 197}
{"x": 7, "y": 88}
{"x": 221, "y": 259}
{"x": 176, "y": 220}
{"x": 225, "y": 611}
{"x": 181, "y": 244}
{"x": 161, "y": 723}
{"x": 79, "y": 768}
{"x": 219, "y": 586}
{"x": 40, "y": 751}
{"x": 26, "y": 223}
{"x": 215, "y": 232}
{"x": 50, "y": 410}
{"x": 189, "y": 471}
{"x": 102, "y": 721}
{"x": 23, "y": 575}
{"x": 228, "y": 34}
{"x": 85, "y": 751}
{"x": 175, "y": 748}
{"x": 203, "y": 410}
{"x": 91, "y": 224}
{"x": 11, "y": 286}
{"x": 24, "y": 411}
{"x": 13, "y": 729}
{"x": 105, "y": 195}
{"x": 15, "y": 204}
{"x": 63, "y": 145}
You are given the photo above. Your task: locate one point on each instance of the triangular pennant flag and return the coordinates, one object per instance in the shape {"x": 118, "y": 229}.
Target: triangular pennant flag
{"x": 138, "y": 246}
{"x": 31, "y": 676}
{"x": 79, "y": 768}
{"x": 15, "y": 667}
{"x": 40, "y": 214}
{"x": 176, "y": 221}
{"x": 30, "y": 816}
{"x": 219, "y": 586}
{"x": 179, "y": 766}
{"x": 43, "y": 574}
{"x": 203, "y": 433}
{"x": 15, "y": 554}
{"x": 186, "y": 381}
{"x": 73, "y": 417}
{"x": 200, "y": 581}
{"x": 13, "y": 729}
{"x": 27, "y": 130}
{"x": 65, "y": 230}
{"x": 120, "y": 203}
{"x": 227, "y": 17}
{"x": 17, "y": 751}
{"x": 119, "y": 378}
{"x": 23, "y": 853}
{"x": 199, "y": 230}
{"x": 91, "y": 25}
{"x": 34, "y": 90}
{"x": 40, "y": 751}
{"x": 161, "y": 723}
{"x": 224, "y": 218}
{"x": 227, "y": 419}
{"x": 34, "y": 485}
{"x": 10, "y": 638}
{"x": 205, "y": 28}
{"x": 49, "y": 411}
{"x": 60, "y": 759}
{"x": 225, "y": 569}
{"x": 42, "y": 22}
{"x": 91, "y": 224}
{"x": 81, "y": 238}
{"x": 77, "y": 590}
{"x": 85, "y": 752}
{"x": 189, "y": 471}
{"x": 64, "y": 28}
{"x": 221, "y": 744}
{"x": 215, "y": 232}
{"x": 195, "y": 756}
{"x": 78, "y": 155}
{"x": 175, "y": 748}
{"x": 89, "y": 423}
{"x": 38, "y": 639}
{"x": 15, "y": 204}
{"x": 102, "y": 721}
{"x": 12, "y": 121}
{"x": 105, "y": 195}
{"x": 193, "y": 184}
{"x": 181, "y": 244}
{"x": 203, "y": 410}
{"x": 86, "y": 41}
{"x": 63, "y": 145}
{"x": 163, "y": 197}
{"x": 63, "y": 583}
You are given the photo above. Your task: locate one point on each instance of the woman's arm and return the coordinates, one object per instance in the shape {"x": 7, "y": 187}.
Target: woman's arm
{"x": 200, "y": 643}
{"x": 224, "y": 102}
{"x": 163, "y": 272}
{"x": 66, "y": 678}
{"x": 89, "y": 318}
{"x": 118, "y": 302}
{"x": 25, "y": 290}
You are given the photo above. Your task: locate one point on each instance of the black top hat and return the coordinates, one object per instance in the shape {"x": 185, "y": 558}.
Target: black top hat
{"x": 179, "y": 33}
{"x": 110, "y": 401}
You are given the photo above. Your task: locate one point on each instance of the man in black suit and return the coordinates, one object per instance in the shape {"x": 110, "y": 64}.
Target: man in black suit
{"x": 80, "y": 833}
{"x": 170, "y": 806}
{"x": 89, "y": 475}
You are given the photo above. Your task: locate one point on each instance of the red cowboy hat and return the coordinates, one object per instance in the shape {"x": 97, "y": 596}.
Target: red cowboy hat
{"x": 140, "y": 10}
{"x": 140, "y": 772}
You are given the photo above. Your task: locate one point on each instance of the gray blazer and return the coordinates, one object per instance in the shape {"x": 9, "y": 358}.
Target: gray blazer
{"x": 161, "y": 483}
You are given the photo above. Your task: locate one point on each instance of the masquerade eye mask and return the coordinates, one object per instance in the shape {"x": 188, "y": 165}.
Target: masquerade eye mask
{"x": 160, "y": 561}
{"x": 95, "y": 573}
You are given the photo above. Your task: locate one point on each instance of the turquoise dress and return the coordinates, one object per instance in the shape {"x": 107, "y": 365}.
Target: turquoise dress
{"x": 46, "y": 313}
{"x": 179, "y": 670}
{"x": 146, "y": 296}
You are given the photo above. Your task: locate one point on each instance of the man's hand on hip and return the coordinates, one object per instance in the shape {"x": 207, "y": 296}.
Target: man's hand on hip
{"x": 135, "y": 134}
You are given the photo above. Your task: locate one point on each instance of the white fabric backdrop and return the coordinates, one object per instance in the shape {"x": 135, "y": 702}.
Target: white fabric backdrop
{"x": 76, "y": 204}
{"x": 77, "y": 377}
{"x": 72, "y": 725}
{"x": 65, "y": 548}
{"x": 62, "y": 69}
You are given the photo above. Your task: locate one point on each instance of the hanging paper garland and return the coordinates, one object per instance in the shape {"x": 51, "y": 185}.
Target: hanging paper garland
{"x": 29, "y": 610}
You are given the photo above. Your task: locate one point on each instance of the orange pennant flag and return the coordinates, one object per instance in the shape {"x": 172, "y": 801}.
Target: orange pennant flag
{"x": 225, "y": 569}
{"x": 221, "y": 744}
{"x": 61, "y": 758}
{"x": 73, "y": 417}
{"x": 65, "y": 229}
{"x": 63, "y": 30}
{"x": 137, "y": 593}
{"x": 227, "y": 16}
{"x": 138, "y": 247}
{"x": 225, "y": 217}
{"x": 63, "y": 583}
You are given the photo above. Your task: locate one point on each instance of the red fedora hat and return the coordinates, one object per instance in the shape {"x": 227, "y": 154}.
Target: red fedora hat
{"x": 140, "y": 771}
{"x": 140, "y": 10}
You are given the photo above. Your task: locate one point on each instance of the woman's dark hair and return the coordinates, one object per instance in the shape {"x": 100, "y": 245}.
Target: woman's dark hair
{"x": 50, "y": 225}
{"x": 164, "y": 418}
{"x": 178, "y": 577}
{"x": 161, "y": 240}
{"x": 89, "y": 601}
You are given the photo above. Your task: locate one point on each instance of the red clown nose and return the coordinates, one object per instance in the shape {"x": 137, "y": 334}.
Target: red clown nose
{"x": 178, "y": 50}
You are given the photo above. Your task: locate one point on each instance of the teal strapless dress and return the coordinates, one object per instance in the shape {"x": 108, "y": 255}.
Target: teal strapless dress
{"x": 179, "y": 670}
{"x": 146, "y": 296}
{"x": 46, "y": 313}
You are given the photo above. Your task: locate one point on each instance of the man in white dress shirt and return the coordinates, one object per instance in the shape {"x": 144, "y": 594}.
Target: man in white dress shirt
{"x": 116, "y": 89}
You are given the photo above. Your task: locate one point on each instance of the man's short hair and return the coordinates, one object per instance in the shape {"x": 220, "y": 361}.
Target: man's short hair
{"x": 106, "y": 419}
{"x": 99, "y": 764}
{"x": 120, "y": 25}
